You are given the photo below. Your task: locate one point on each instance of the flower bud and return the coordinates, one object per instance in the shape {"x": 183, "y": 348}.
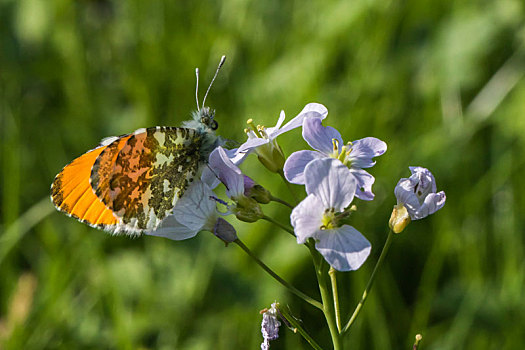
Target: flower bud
{"x": 225, "y": 231}
{"x": 399, "y": 218}
{"x": 247, "y": 209}
{"x": 259, "y": 193}
{"x": 271, "y": 156}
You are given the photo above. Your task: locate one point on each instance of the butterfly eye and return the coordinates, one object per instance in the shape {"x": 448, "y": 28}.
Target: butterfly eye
{"x": 214, "y": 125}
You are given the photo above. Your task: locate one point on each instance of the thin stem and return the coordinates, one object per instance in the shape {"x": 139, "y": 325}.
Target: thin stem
{"x": 297, "y": 327}
{"x": 276, "y": 223}
{"x": 333, "y": 279}
{"x": 279, "y": 200}
{"x": 291, "y": 288}
{"x": 370, "y": 281}
{"x": 325, "y": 297}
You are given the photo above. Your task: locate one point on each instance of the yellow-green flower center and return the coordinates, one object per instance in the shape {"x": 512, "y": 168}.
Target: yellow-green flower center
{"x": 328, "y": 220}
{"x": 259, "y": 130}
{"x": 344, "y": 155}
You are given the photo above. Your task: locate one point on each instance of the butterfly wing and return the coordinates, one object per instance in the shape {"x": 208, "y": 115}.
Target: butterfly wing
{"x": 141, "y": 181}
{"x": 71, "y": 192}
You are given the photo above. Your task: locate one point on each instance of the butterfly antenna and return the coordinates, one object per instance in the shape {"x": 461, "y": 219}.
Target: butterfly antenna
{"x": 197, "y": 88}
{"x": 223, "y": 59}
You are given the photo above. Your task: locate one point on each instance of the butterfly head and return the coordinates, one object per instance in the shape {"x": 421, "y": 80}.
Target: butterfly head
{"x": 203, "y": 121}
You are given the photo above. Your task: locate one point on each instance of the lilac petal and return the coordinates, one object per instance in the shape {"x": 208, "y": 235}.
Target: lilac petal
{"x": 270, "y": 131}
{"x": 314, "y": 110}
{"x": 306, "y": 218}
{"x": 190, "y": 215}
{"x": 433, "y": 202}
{"x": 172, "y": 229}
{"x": 229, "y": 174}
{"x": 425, "y": 181}
{"x": 320, "y": 137}
{"x": 364, "y": 184}
{"x": 315, "y": 107}
{"x": 331, "y": 181}
{"x": 252, "y": 143}
{"x": 235, "y": 156}
{"x": 344, "y": 248}
{"x": 364, "y": 150}
{"x": 195, "y": 207}
{"x": 405, "y": 195}
{"x": 295, "y": 164}
{"x": 209, "y": 178}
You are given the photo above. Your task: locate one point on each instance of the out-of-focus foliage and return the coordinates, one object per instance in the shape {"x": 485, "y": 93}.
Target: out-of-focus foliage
{"x": 440, "y": 81}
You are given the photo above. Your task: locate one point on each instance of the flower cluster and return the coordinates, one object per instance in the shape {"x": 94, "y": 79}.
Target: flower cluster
{"x": 333, "y": 174}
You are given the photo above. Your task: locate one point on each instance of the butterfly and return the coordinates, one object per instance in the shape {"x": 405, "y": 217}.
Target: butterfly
{"x": 131, "y": 183}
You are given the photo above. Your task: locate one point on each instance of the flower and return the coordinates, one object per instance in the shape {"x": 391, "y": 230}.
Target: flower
{"x": 194, "y": 212}
{"x": 269, "y": 326}
{"x": 237, "y": 185}
{"x": 327, "y": 141}
{"x": 416, "y": 198}
{"x": 263, "y": 141}
{"x": 321, "y": 215}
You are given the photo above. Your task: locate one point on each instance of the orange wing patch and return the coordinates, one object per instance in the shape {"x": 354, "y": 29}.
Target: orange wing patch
{"x": 71, "y": 193}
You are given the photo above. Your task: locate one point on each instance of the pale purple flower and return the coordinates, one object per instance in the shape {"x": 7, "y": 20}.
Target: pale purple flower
{"x": 418, "y": 193}
{"x": 237, "y": 186}
{"x": 269, "y": 326}
{"x": 194, "y": 212}
{"x": 262, "y": 140}
{"x": 228, "y": 173}
{"x": 267, "y": 135}
{"x": 328, "y": 143}
{"x": 330, "y": 190}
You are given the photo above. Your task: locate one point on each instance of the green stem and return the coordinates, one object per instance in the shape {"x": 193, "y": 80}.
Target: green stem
{"x": 325, "y": 296}
{"x": 276, "y": 223}
{"x": 291, "y": 288}
{"x": 333, "y": 279}
{"x": 297, "y": 327}
{"x": 370, "y": 281}
{"x": 279, "y": 200}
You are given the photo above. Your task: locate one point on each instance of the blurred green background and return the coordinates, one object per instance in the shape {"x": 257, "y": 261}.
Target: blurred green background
{"x": 440, "y": 81}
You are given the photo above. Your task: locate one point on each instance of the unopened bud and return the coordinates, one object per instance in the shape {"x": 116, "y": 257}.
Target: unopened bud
{"x": 225, "y": 231}
{"x": 248, "y": 210}
{"x": 271, "y": 156}
{"x": 259, "y": 193}
{"x": 399, "y": 218}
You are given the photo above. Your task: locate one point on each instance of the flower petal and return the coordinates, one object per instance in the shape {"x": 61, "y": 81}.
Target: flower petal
{"x": 195, "y": 208}
{"x": 364, "y": 182}
{"x": 344, "y": 248}
{"x": 209, "y": 178}
{"x": 278, "y": 125}
{"x": 251, "y": 143}
{"x": 433, "y": 202}
{"x": 405, "y": 195}
{"x": 229, "y": 174}
{"x": 426, "y": 183}
{"x": 331, "y": 181}
{"x": 314, "y": 110}
{"x": 191, "y": 214}
{"x": 320, "y": 137}
{"x": 235, "y": 155}
{"x": 364, "y": 150}
{"x": 295, "y": 164}
{"x": 172, "y": 229}
{"x": 306, "y": 218}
